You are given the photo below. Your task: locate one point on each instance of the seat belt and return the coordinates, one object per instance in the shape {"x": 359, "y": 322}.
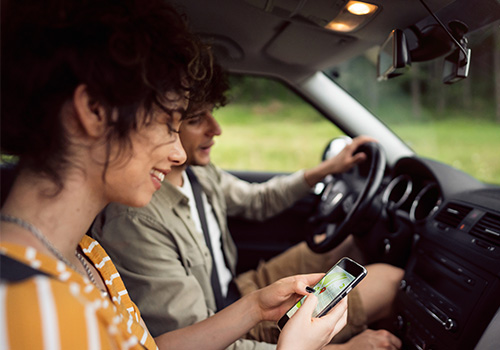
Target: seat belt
{"x": 214, "y": 277}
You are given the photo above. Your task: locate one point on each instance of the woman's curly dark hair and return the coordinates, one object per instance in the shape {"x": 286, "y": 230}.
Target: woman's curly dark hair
{"x": 129, "y": 54}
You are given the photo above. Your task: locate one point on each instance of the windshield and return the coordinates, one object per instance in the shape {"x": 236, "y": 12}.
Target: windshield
{"x": 458, "y": 124}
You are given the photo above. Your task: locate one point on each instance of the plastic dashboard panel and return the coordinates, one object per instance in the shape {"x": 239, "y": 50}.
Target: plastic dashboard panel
{"x": 452, "y": 281}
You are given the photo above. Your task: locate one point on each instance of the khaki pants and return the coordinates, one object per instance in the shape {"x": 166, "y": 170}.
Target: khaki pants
{"x": 298, "y": 260}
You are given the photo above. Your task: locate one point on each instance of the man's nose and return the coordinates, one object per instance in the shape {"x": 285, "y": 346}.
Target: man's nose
{"x": 177, "y": 154}
{"x": 214, "y": 128}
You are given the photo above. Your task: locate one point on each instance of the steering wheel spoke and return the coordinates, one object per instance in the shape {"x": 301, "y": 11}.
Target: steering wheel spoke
{"x": 344, "y": 199}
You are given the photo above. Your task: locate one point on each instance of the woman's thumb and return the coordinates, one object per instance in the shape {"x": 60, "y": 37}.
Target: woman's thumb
{"x": 308, "y": 306}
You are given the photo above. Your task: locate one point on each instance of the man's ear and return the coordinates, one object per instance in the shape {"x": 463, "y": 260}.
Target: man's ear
{"x": 90, "y": 114}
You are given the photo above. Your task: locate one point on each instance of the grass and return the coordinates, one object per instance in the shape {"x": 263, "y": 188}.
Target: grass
{"x": 287, "y": 138}
{"x": 275, "y": 137}
{"x": 472, "y": 147}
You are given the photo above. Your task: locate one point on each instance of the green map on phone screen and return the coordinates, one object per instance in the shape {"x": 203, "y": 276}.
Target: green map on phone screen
{"x": 327, "y": 289}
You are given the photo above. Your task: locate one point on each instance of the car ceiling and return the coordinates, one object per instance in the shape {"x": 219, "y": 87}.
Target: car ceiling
{"x": 278, "y": 37}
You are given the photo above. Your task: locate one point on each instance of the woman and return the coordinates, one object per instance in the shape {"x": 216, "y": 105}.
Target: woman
{"x": 93, "y": 94}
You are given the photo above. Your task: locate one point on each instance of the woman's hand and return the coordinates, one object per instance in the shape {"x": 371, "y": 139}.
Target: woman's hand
{"x": 302, "y": 331}
{"x": 275, "y": 299}
{"x": 269, "y": 303}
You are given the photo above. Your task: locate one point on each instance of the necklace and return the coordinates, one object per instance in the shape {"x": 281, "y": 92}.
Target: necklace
{"x": 38, "y": 234}
{"x": 89, "y": 272}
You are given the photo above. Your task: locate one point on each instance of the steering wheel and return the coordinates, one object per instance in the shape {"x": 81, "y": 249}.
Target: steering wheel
{"x": 345, "y": 198}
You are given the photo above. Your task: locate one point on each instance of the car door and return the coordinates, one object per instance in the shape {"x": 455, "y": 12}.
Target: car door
{"x": 257, "y": 240}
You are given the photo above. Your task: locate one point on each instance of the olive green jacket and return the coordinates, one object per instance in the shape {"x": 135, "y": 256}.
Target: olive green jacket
{"x": 165, "y": 262}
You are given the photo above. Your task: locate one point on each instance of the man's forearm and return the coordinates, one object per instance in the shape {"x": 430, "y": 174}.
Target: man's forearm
{"x": 314, "y": 175}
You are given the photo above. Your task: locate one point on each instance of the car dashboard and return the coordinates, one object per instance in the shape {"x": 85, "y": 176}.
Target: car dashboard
{"x": 451, "y": 285}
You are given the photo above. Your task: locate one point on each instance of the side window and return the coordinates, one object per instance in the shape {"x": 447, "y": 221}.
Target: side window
{"x": 267, "y": 127}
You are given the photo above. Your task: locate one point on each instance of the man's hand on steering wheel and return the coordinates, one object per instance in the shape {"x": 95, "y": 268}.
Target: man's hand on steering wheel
{"x": 340, "y": 163}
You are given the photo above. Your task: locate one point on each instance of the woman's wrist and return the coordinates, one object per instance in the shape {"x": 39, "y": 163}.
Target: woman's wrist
{"x": 251, "y": 302}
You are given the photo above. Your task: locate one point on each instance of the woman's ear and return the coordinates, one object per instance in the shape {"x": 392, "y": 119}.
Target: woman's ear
{"x": 90, "y": 114}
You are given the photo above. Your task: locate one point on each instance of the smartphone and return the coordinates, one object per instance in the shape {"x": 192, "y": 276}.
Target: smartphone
{"x": 335, "y": 285}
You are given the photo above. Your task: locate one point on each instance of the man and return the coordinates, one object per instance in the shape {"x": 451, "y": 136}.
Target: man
{"x": 168, "y": 247}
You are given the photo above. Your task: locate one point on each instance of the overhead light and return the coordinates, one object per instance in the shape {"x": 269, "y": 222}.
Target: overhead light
{"x": 339, "y": 27}
{"x": 360, "y": 8}
{"x": 352, "y": 16}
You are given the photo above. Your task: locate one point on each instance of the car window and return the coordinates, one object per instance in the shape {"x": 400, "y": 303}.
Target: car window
{"x": 458, "y": 124}
{"x": 267, "y": 127}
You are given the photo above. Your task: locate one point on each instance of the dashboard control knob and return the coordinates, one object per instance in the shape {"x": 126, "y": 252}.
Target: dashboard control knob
{"x": 400, "y": 322}
{"x": 450, "y": 325}
{"x": 403, "y": 284}
{"x": 387, "y": 246}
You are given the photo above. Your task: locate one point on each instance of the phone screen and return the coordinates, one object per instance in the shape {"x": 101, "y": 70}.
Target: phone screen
{"x": 327, "y": 289}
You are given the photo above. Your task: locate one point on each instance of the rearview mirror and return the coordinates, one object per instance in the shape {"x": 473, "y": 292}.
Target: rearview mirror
{"x": 456, "y": 66}
{"x": 394, "y": 56}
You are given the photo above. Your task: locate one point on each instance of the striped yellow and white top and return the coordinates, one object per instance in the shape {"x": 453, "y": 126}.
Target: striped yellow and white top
{"x": 65, "y": 310}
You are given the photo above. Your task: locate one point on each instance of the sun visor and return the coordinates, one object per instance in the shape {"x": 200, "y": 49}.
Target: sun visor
{"x": 297, "y": 46}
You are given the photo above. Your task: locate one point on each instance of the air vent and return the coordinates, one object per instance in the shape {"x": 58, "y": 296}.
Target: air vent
{"x": 488, "y": 227}
{"x": 453, "y": 214}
